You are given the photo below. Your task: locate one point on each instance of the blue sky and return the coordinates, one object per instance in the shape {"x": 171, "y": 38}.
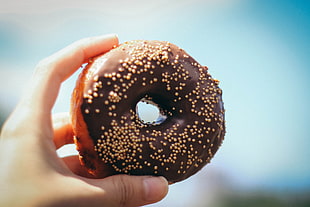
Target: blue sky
{"x": 259, "y": 50}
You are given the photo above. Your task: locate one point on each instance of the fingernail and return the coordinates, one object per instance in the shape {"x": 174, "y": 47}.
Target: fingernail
{"x": 112, "y": 36}
{"x": 155, "y": 188}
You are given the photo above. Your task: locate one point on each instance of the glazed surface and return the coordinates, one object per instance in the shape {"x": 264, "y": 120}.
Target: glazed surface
{"x": 111, "y": 138}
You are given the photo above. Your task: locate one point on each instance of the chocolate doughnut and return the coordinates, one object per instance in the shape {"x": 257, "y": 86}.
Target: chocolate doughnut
{"x": 109, "y": 134}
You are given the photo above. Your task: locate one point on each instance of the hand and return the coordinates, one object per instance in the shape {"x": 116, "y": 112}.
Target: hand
{"x": 31, "y": 173}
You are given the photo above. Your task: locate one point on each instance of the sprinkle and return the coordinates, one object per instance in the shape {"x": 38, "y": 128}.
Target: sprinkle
{"x": 127, "y": 144}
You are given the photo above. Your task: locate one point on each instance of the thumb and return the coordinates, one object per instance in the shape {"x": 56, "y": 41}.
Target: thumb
{"x": 126, "y": 190}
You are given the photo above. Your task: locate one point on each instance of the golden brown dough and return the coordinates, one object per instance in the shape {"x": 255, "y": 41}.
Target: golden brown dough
{"x": 111, "y": 138}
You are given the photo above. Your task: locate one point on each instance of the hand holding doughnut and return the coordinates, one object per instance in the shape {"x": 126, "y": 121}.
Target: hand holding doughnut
{"x": 31, "y": 172}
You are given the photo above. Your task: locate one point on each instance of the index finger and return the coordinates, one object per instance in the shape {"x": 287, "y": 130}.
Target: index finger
{"x": 52, "y": 71}
{"x": 33, "y": 112}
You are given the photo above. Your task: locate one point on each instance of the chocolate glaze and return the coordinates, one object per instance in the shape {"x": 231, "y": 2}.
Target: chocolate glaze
{"x": 111, "y": 138}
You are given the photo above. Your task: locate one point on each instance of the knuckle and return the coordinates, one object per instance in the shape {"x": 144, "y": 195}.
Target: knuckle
{"x": 42, "y": 66}
{"x": 126, "y": 190}
{"x": 12, "y": 123}
{"x": 6, "y": 130}
{"x": 43, "y": 63}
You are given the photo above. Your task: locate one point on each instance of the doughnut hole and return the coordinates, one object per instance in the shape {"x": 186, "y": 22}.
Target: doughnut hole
{"x": 149, "y": 112}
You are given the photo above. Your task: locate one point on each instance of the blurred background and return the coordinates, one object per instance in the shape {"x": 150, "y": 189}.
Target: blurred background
{"x": 258, "y": 49}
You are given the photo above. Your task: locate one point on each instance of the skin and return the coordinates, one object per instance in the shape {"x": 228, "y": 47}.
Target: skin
{"x": 31, "y": 172}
